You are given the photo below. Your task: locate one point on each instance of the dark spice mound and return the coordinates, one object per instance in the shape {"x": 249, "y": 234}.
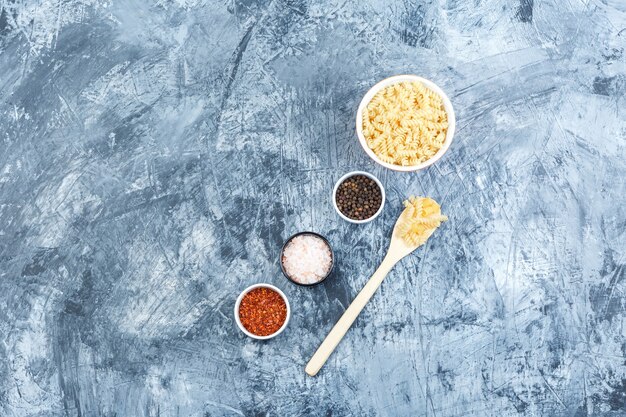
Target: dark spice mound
{"x": 358, "y": 197}
{"x": 262, "y": 311}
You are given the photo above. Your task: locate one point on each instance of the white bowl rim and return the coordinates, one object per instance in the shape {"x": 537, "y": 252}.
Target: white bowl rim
{"x": 394, "y": 80}
{"x": 238, "y": 303}
{"x": 351, "y": 174}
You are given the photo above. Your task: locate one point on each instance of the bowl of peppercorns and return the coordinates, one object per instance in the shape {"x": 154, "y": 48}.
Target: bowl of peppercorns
{"x": 358, "y": 197}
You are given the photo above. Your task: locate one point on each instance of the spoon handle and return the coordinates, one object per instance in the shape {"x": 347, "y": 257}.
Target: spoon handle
{"x": 339, "y": 330}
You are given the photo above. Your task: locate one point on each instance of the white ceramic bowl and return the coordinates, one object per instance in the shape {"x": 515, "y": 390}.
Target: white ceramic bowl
{"x": 351, "y": 174}
{"x": 238, "y": 303}
{"x": 394, "y": 80}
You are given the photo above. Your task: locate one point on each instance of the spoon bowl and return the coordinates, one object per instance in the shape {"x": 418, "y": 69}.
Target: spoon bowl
{"x": 398, "y": 248}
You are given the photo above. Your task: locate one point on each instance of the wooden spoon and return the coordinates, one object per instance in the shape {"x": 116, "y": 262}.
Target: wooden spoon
{"x": 398, "y": 249}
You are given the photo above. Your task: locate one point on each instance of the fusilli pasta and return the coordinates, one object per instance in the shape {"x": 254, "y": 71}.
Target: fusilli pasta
{"x": 405, "y": 123}
{"x": 420, "y": 218}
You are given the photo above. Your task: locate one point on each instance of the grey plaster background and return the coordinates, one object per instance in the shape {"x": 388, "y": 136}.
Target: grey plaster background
{"x": 154, "y": 155}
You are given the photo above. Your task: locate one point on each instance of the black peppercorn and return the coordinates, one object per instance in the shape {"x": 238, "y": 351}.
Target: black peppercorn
{"x": 358, "y": 197}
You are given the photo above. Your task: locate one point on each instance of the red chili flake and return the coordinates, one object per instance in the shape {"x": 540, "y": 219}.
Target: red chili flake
{"x": 262, "y": 311}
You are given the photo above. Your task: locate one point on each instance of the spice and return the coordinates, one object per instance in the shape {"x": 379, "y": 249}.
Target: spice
{"x": 307, "y": 259}
{"x": 262, "y": 311}
{"x": 358, "y": 197}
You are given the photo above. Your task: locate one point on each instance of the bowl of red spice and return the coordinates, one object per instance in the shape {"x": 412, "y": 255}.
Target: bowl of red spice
{"x": 358, "y": 197}
{"x": 262, "y": 311}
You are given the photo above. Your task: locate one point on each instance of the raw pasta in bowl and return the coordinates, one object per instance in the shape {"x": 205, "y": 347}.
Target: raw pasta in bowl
{"x": 405, "y": 123}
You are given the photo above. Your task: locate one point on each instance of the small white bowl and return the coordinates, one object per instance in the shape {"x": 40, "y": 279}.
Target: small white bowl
{"x": 238, "y": 303}
{"x": 394, "y": 80}
{"x": 351, "y": 174}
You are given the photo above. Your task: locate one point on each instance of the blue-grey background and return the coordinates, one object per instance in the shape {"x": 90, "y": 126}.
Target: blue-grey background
{"x": 155, "y": 155}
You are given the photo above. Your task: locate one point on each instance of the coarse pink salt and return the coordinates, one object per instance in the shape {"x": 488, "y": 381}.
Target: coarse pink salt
{"x": 307, "y": 259}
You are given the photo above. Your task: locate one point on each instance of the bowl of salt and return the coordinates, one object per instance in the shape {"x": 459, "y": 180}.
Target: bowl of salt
{"x": 307, "y": 259}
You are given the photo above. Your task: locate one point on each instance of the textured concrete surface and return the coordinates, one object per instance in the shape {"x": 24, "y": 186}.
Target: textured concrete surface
{"x": 154, "y": 155}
